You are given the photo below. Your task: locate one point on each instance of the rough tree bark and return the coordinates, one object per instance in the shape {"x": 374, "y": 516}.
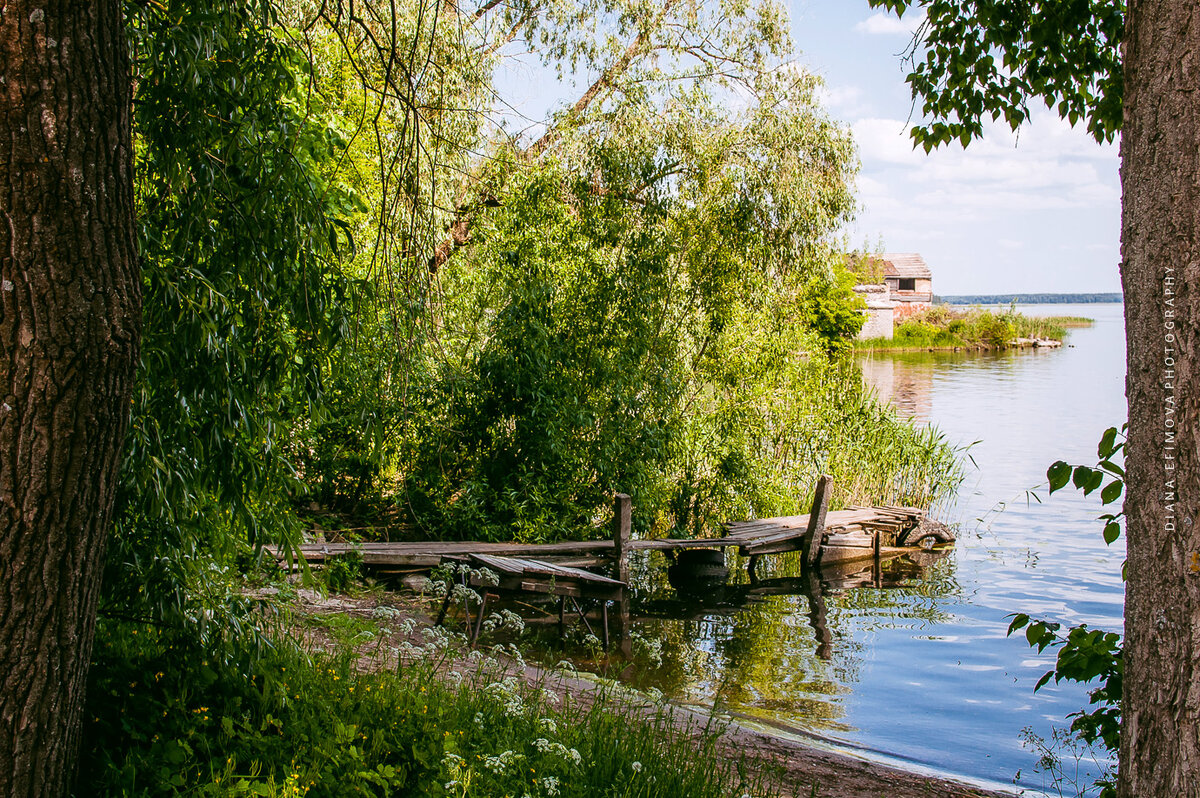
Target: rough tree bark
{"x": 1160, "y": 274}
{"x": 70, "y": 314}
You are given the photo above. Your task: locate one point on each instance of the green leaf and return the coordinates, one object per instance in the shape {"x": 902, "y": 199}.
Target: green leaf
{"x": 1107, "y": 444}
{"x": 1081, "y": 477}
{"x": 1058, "y": 474}
{"x": 1112, "y": 531}
{"x": 1112, "y": 491}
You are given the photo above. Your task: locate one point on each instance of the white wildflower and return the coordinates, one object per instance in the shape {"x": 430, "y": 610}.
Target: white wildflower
{"x": 503, "y": 764}
{"x": 545, "y": 746}
{"x": 637, "y": 767}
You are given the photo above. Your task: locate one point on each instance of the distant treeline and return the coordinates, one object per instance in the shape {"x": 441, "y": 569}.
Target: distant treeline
{"x": 1027, "y": 299}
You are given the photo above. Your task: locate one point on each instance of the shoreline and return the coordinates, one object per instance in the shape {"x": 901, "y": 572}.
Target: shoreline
{"x": 809, "y": 767}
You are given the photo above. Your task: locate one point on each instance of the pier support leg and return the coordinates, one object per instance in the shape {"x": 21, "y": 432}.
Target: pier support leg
{"x": 604, "y": 614}
{"x": 752, "y": 568}
{"x": 479, "y": 618}
{"x": 583, "y": 617}
{"x": 622, "y": 533}
{"x": 877, "y": 569}
{"x": 445, "y": 606}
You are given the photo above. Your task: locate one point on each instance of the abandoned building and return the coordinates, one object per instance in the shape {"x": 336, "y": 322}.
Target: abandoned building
{"x": 901, "y": 285}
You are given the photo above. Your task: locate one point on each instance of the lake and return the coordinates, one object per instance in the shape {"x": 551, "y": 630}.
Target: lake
{"x": 918, "y": 668}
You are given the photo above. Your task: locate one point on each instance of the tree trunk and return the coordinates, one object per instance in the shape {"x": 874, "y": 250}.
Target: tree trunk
{"x": 70, "y": 314}
{"x": 1160, "y": 274}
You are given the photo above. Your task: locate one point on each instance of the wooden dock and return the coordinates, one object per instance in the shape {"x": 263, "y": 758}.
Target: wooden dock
{"x": 825, "y": 538}
{"x": 849, "y": 534}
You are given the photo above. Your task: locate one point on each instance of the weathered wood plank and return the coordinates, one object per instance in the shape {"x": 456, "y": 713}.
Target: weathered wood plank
{"x": 520, "y": 566}
{"x": 816, "y": 520}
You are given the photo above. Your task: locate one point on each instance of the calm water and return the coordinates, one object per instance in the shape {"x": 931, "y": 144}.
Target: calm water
{"x": 919, "y": 667}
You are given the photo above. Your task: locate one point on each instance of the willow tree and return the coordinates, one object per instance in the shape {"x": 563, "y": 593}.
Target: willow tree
{"x": 1128, "y": 67}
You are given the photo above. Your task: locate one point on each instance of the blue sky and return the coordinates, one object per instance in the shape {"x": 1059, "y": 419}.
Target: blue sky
{"x": 1038, "y": 211}
{"x": 1034, "y": 212}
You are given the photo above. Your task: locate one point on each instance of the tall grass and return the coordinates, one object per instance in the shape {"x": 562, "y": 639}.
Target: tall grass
{"x": 944, "y": 327}
{"x": 166, "y": 717}
{"x": 874, "y": 455}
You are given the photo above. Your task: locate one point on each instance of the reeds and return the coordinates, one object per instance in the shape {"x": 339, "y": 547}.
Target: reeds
{"x": 944, "y": 327}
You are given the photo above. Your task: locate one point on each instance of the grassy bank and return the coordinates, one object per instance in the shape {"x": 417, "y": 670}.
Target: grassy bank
{"x": 946, "y": 327}
{"x": 165, "y": 717}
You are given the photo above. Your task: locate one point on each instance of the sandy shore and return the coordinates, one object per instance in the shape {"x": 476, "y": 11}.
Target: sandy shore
{"x": 807, "y": 769}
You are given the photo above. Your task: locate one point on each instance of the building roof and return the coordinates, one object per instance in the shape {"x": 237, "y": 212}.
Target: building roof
{"x": 905, "y": 264}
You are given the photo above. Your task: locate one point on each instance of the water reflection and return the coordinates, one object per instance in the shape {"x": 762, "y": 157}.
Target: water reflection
{"x": 915, "y": 661}
{"x": 776, "y": 647}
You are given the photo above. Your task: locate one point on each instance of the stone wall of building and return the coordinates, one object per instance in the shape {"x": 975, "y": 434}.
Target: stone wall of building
{"x": 880, "y": 311}
{"x": 880, "y": 323}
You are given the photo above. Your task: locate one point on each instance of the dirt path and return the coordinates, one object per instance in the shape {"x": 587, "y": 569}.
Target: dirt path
{"x": 808, "y": 770}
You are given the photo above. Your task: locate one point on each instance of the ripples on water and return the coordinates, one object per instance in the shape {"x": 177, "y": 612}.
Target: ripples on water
{"x": 921, "y": 669}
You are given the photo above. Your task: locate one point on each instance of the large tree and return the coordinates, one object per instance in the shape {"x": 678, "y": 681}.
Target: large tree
{"x": 70, "y": 315}
{"x": 986, "y": 59}
{"x": 1160, "y": 276}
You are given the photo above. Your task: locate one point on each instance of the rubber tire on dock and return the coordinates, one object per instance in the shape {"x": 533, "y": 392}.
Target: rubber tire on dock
{"x": 927, "y": 532}
{"x": 700, "y": 564}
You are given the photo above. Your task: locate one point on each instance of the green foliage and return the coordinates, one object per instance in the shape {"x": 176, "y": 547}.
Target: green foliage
{"x": 654, "y": 347}
{"x": 240, "y": 239}
{"x": 944, "y": 327}
{"x": 572, "y": 393}
{"x": 833, "y": 311}
{"x": 342, "y": 571}
{"x": 1088, "y": 655}
{"x": 975, "y": 60}
{"x": 164, "y": 718}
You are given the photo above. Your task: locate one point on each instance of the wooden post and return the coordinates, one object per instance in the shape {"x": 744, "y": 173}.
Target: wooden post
{"x": 604, "y": 614}
{"x": 816, "y": 521}
{"x": 877, "y": 565}
{"x": 622, "y": 532}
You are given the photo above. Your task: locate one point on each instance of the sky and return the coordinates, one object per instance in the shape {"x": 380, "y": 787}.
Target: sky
{"x": 1038, "y": 211}
{"x": 1031, "y": 212}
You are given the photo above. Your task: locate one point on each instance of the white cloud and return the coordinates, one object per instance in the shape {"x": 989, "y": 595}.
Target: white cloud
{"x": 844, "y": 102}
{"x": 881, "y": 23}
{"x": 1050, "y": 167}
